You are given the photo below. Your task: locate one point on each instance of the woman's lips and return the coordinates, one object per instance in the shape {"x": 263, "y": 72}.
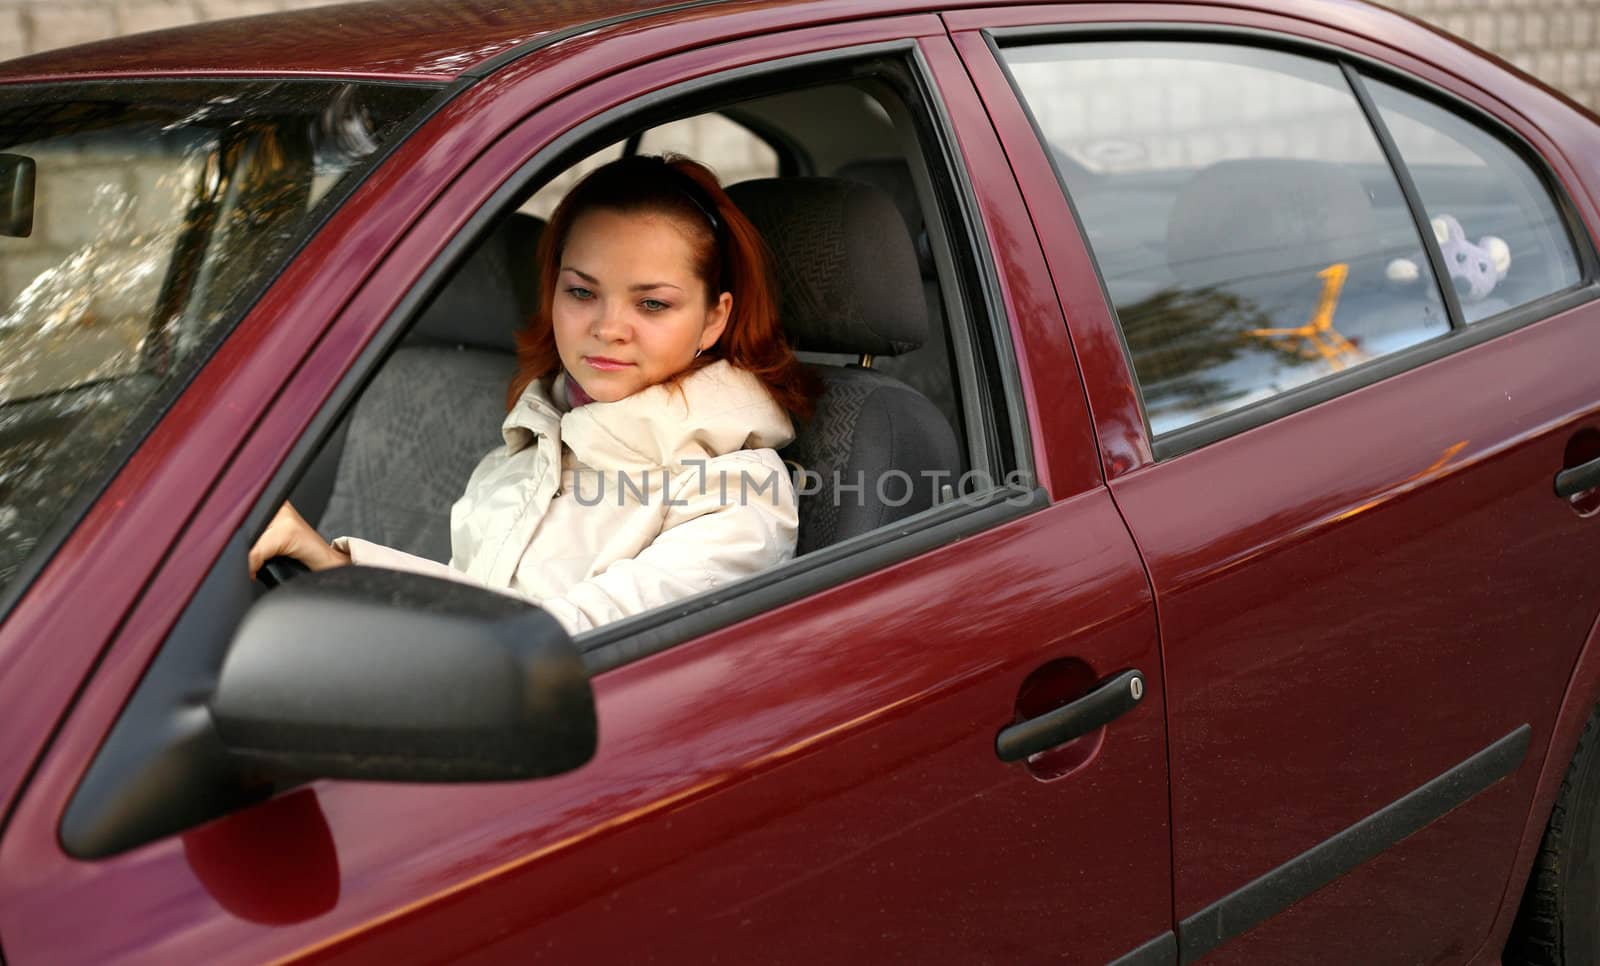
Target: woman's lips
{"x": 604, "y": 364}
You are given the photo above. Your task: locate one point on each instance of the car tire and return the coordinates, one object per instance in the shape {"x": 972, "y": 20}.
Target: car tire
{"x": 1558, "y": 923}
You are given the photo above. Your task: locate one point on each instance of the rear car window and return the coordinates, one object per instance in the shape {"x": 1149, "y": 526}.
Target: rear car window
{"x": 727, "y": 147}
{"x": 1500, "y": 231}
{"x": 159, "y": 212}
{"x": 1241, "y": 211}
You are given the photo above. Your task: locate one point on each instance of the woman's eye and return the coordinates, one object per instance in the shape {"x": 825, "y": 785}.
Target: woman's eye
{"x": 579, "y": 292}
{"x": 654, "y": 305}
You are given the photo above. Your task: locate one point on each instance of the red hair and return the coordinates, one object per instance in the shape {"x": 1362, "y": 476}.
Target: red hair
{"x": 730, "y": 256}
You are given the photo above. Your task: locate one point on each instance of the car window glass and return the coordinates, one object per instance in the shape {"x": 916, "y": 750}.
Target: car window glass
{"x": 158, "y": 210}
{"x": 730, "y": 149}
{"x": 1240, "y": 210}
{"x": 1500, "y": 231}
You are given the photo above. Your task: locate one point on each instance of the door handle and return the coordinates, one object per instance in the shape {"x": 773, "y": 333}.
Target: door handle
{"x": 1584, "y": 476}
{"x": 1111, "y": 698}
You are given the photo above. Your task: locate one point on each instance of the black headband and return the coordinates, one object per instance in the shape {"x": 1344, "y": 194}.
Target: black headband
{"x": 691, "y": 190}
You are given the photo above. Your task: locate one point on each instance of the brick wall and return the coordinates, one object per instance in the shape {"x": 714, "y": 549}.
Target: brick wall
{"x": 1557, "y": 41}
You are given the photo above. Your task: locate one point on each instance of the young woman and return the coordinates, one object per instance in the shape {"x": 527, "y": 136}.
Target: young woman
{"x": 652, "y": 392}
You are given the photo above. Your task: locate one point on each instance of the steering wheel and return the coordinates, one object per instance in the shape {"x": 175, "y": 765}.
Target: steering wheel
{"x": 280, "y": 570}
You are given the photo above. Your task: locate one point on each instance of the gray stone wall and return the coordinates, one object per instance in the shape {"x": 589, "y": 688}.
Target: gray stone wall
{"x": 1557, "y": 41}
{"x": 29, "y": 26}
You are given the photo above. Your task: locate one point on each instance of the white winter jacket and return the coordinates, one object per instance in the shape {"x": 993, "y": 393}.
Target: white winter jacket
{"x": 611, "y": 509}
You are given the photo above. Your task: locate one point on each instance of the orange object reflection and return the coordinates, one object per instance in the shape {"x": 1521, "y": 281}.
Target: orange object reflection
{"x": 1321, "y": 339}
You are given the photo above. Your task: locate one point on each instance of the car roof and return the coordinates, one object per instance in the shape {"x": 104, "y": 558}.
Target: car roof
{"x": 416, "y": 39}
{"x": 430, "y": 40}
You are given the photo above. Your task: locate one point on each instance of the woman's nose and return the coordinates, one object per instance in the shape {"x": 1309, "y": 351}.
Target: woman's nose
{"x": 609, "y": 326}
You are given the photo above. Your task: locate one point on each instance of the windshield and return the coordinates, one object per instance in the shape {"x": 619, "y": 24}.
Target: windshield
{"x": 160, "y": 210}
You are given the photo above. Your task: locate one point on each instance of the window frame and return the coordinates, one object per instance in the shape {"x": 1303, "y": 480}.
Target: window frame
{"x": 1354, "y": 66}
{"x": 973, "y": 303}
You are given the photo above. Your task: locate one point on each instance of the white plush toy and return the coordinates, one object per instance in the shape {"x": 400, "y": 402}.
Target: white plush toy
{"x": 1474, "y": 269}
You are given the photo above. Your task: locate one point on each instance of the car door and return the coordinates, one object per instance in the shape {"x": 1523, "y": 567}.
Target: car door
{"x": 1340, "y": 474}
{"x": 814, "y": 777}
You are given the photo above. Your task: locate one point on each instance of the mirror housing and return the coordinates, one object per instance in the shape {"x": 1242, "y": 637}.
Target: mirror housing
{"x": 347, "y": 673}
{"x": 17, "y": 173}
{"x": 377, "y": 675}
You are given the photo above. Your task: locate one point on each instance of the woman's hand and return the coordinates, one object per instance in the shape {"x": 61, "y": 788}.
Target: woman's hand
{"x": 289, "y": 535}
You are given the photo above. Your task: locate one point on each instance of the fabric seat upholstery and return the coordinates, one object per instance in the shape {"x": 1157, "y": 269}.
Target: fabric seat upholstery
{"x": 405, "y": 451}
{"x": 849, "y": 283}
{"x": 926, "y": 369}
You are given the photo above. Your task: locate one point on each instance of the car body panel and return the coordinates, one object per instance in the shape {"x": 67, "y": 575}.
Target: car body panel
{"x": 864, "y": 716}
{"x": 1306, "y": 571}
{"x": 418, "y": 39}
{"x": 1579, "y": 701}
{"x": 842, "y": 807}
{"x": 819, "y": 782}
{"x": 1314, "y": 614}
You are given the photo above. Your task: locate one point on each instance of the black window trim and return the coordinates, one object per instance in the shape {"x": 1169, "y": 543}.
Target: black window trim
{"x": 619, "y": 643}
{"x": 1355, "y": 66}
{"x": 1413, "y": 197}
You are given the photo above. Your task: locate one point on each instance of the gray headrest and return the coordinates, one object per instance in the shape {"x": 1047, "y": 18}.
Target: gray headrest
{"x": 893, "y": 175}
{"x": 846, "y": 270}
{"x": 1261, "y": 218}
{"x": 493, "y": 292}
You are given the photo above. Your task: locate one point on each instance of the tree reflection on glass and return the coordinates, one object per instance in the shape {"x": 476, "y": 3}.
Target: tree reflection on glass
{"x": 1179, "y": 339}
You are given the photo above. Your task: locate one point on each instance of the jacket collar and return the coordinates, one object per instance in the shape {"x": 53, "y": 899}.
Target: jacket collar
{"x": 720, "y": 409}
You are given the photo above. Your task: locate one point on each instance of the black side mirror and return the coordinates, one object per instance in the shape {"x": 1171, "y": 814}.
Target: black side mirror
{"x": 383, "y": 676}
{"x": 346, "y": 673}
{"x": 16, "y": 195}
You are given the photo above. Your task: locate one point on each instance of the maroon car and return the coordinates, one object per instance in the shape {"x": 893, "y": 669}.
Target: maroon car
{"x": 1200, "y": 526}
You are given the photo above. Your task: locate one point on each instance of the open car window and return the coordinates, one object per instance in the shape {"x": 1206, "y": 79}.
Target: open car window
{"x": 727, "y": 147}
{"x": 386, "y": 456}
{"x": 402, "y": 455}
{"x": 159, "y": 211}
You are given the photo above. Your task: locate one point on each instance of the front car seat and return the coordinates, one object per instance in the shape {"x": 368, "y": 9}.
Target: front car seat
{"x": 404, "y": 453}
{"x": 849, "y": 283}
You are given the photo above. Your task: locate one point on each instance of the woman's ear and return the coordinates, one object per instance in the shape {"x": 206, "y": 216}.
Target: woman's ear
{"x": 716, "y": 320}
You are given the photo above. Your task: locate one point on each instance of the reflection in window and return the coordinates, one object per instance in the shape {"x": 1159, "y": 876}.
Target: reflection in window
{"x": 1240, "y": 210}
{"x": 1501, "y": 234}
{"x": 160, "y": 209}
